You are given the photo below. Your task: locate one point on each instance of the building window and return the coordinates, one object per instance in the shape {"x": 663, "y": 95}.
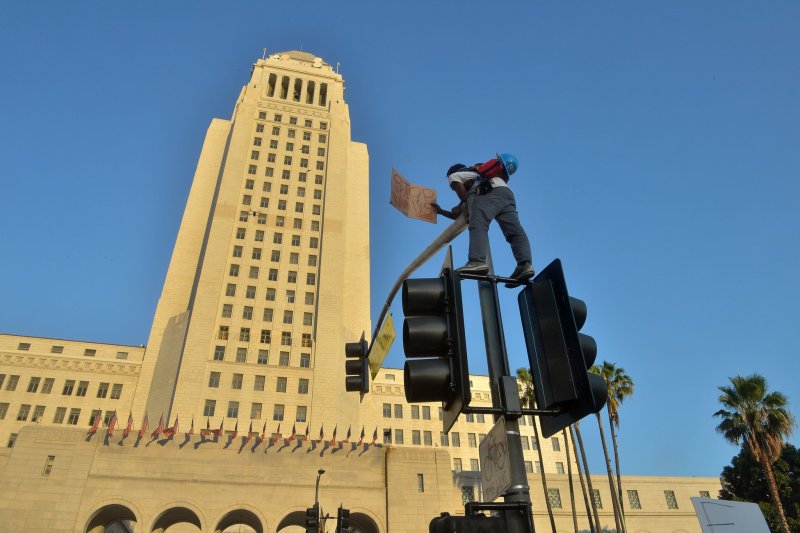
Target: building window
{"x": 219, "y": 353}
{"x": 474, "y": 465}
{"x": 288, "y": 317}
{"x": 415, "y": 437}
{"x": 24, "y": 411}
{"x": 283, "y": 359}
{"x": 443, "y": 439}
{"x": 286, "y": 338}
{"x": 255, "y": 411}
{"x": 277, "y": 413}
{"x": 398, "y": 410}
{"x": 633, "y": 499}
{"x": 457, "y": 465}
{"x": 556, "y": 444}
{"x": 83, "y": 386}
{"x": 280, "y": 385}
{"x": 471, "y": 440}
{"x": 102, "y": 390}
{"x": 309, "y": 298}
{"x": 387, "y": 436}
{"x": 209, "y": 408}
{"x": 236, "y": 381}
{"x": 57, "y": 349}
{"x": 116, "y": 391}
{"x": 69, "y": 385}
{"x": 305, "y": 360}
{"x": 305, "y": 341}
{"x": 554, "y": 496}
{"x": 258, "y": 383}
{"x": 302, "y": 386}
{"x": 12, "y": 439}
{"x": 13, "y": 380}
{"x": 227, "y": 310}
{"x": 48, "y": 465}
{"x": 537, "y": 467}
{"x": 233, "y": 270}
{"x": 672, "y": 503}
{"x": 3, "y": 410}
{"x": 387, "y": 410}
{"x": 455, "y": 439}
{"x": 480, "y": 418}
{"x": 263, "y": 357}
{"x": 266, "y": 336}
{"x": 426, "y": 412}
{"x": 241, "y": 355}
{"x": 223, "y": 333}
{"x": 295, "y": 240}
{"x": 559, "y": 467}
{"x": 61, "y": 413}
{"x": 270, "y": 295}
{"x": 74, "y": 415}
{"x": 528, "y": 467}
{"x": 427, "y": 438}
{"x": 300, "y": 415}
{"x": 415, "y": 412}
{"x": 705, "y": 494}
{"x": 244, "y": 334}
{"x": 233, "y": 409}
{"x": 420, "y": 483}
{"x": 33, "y": 384}
{"x": 308, "y": 319}
{"x": 253, "y": 274}
{"x": 213, "y": 380}
{"x": 230, "y": 290}
{"x": 598, "y": 502}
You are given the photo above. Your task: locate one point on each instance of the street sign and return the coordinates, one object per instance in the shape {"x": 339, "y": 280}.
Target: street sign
{"x": 381, "y": 346}
{"x": 722, "y": 516}
{"x": 495, "y": 463}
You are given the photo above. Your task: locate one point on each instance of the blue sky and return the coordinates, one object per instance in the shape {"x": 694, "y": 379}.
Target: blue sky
{"x": 659, "y": 159}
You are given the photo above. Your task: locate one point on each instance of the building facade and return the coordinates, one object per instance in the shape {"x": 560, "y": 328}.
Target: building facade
{"x": 244, "y": 366}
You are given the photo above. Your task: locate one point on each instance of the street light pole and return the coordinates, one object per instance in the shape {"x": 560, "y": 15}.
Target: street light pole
{"x": 316, "y": 491}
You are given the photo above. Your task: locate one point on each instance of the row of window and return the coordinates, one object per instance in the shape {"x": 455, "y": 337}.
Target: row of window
{"x": 278, "y": 117}
{"x": 36, "y": 413}
{"x": 272, "y": 274}
{"x": 237, "y": 382}
{"x": 279, "y": 411}
{"x": 262, "y": 357}
{"x": 266, "y": 315}
{"x": 275, "y": 257}
{"x": 286, "y": 174}
{"x": 304, "y": 148}
{"x": 265, "y": 337}
{"x": 270, "y": 294}
{"x": 37, "y": 384}
{"x": 87, "y": 352}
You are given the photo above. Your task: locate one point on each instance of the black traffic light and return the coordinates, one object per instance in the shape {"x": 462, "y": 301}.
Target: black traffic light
{"x": 433, "y": 336}
{"x": 559, "y": 355}
{"x": 343, "y": 520}
{"x": 312, "y": 519}
{"x": 356, "y": 366}
{"x": 467, "y": 524}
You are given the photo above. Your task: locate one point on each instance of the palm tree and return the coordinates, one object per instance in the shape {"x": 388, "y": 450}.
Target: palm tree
{"x": 598, "y": 526}
{"x": 590, "y": 509}
{"x": 528, "y": 399}
{"x": 760, "y": 421}
{"x": 569, "y": 478}
{"x": 620, "y": 386}
{"x": 614, "y": 500}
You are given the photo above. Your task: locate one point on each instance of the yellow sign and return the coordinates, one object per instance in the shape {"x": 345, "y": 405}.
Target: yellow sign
{"x": 381, "y": 346}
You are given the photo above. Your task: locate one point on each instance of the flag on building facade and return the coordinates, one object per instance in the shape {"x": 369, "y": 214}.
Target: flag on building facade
{"x": 143, "y": 429}
{"x": 235, "y": 431}
{"x": 112, "y": 424}
{"x": 375, "y": 435}
{"x": 129, "y": 427}
{"x": 95, "y": 425}
{"x": 333, "y": 440}
{"x": 361, "y": 438}
{"x": 170, "y": 432}
{"x": 263, "y": 436}
{"x": 277, "y": 434}
{"x": 307, "y": 430}
{"x": 321, "y": 434}
{"x": 218, "y": 432}
{"x": 159, "y": 429}
{"x": 347, "y": 438}
{"x": 249, "y": 433}
{"x": 294, "y": 430}
{"x": 207, "y": 431}
{"x": 191, "y": 429}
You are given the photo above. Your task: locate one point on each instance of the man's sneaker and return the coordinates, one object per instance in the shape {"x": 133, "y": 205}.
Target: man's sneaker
{"x": 474, "y": 267}
{"x": 522, "y": 273}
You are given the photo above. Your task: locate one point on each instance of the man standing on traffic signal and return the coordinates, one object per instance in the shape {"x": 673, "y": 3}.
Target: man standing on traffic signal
{"x": 484, "y": 188}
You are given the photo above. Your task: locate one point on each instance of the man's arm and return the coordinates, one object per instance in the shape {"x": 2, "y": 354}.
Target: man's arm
{"x": 460, "y": 190}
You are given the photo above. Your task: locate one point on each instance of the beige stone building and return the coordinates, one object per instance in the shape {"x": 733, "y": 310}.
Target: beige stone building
{"x": 268, "y": 279}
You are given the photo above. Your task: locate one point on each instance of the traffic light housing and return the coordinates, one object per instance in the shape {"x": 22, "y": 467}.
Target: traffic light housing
{"x": 434, "y": 339}
{"x": 312, "y": 519}
{"x": 356, "y": 367}
{"x": 559, "y": 354}
{"x": 467, "y": 524}
{"x": 343, "y": 520}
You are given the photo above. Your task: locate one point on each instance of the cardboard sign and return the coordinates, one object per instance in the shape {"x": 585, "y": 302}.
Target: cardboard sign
{"x": 414, "y": 201}
{"x": 495, "y": 462}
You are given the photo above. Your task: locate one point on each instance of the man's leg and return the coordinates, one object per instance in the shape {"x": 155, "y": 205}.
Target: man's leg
{"x": 508, "y": 220}
{"x": 480, "y": 216}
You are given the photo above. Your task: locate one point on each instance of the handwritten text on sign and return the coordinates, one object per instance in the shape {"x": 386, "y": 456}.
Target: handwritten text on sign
{"x": 413, "y": 201}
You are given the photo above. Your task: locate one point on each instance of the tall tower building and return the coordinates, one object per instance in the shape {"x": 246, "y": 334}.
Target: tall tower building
{"x": 270, "y": 272}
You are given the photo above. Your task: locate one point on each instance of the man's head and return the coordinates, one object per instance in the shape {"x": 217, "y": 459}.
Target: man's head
{"x": 456, "y": 168}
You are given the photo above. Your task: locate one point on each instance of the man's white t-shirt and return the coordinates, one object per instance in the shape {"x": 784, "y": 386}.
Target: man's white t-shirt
{"x": 464, "y": 176}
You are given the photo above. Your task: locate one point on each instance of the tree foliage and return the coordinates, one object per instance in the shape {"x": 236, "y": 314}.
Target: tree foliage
{"x": 744, "y": 480}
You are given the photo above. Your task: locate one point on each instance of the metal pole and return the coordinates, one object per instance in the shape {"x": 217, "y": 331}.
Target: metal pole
{"x": 316, "y": 491}
{"x": 497, "y": 360}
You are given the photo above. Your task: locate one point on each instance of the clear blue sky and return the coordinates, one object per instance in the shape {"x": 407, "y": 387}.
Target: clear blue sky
{"x": 659, "y": 147}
